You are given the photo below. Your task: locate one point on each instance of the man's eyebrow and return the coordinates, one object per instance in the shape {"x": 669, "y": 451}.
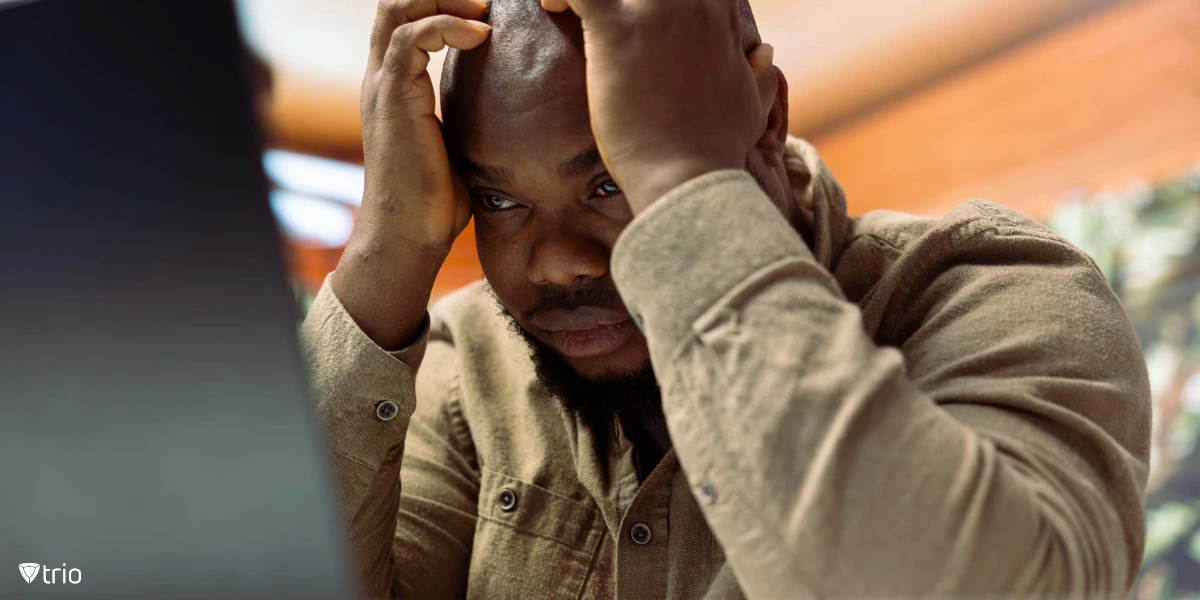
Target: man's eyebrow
{"x": 492, "y": 175}
{"x": 581, "y": 164}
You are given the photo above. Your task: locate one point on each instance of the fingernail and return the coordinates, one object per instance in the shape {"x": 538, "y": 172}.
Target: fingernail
{"x": 480, "y": 25}
{"x": 770, "y": 53}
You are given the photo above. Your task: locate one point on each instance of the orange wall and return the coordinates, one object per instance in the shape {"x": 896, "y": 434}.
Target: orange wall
{"x": 1098, "y": 104}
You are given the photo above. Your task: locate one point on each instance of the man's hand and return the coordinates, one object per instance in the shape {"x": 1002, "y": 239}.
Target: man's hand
{"x": 669, "y": 89}
{"x": 412, "y": 208}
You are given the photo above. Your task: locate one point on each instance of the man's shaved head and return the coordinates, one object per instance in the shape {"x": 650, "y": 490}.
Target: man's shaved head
{"x": 531, "y": 48}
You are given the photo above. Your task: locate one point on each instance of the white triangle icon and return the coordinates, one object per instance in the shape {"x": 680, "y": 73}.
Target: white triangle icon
{"x": 29, "y": 571}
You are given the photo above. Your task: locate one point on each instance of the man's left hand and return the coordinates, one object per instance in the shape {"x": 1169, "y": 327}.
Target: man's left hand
{"x": 671, "y": 93}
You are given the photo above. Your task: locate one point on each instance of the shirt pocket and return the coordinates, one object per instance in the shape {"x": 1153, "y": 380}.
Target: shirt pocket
{"x": 531, "y": 542}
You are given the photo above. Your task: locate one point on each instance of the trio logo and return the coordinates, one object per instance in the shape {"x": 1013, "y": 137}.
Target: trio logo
{"x": 30, "y": 572}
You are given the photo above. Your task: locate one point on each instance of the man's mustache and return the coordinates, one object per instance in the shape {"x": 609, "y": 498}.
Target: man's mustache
{"x": 574, "y": 297}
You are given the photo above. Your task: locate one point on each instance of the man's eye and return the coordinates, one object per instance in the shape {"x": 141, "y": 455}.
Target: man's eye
{"x": 608, "y": 188}
{"x": 496, "y": 203}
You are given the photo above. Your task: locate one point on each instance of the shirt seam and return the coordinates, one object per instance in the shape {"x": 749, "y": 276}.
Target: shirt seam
{"x": 530, "y": 532}
{"x": 880, "y": 241}
{"x": 592, "y": 564}
{"x": 459, "y": 428}
{"x": 738, "y": 288}
{"x": 549, "y": 491}
{"x": 353, "y": 459}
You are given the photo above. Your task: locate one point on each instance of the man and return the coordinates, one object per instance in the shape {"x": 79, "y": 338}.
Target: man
{"x": 690, "y": 374}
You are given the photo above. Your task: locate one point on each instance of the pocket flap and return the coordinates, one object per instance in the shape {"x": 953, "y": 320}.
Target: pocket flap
{"x": 538, "y": 511}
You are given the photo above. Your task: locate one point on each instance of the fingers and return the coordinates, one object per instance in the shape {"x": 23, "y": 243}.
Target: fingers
{"x": 410, "y": 44}
{"x": 762, "y": 60}
{"x": 392, "y": 14}
{"x": 584, "y": 8}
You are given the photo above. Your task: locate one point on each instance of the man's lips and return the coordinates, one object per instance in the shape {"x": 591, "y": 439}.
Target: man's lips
{"x": 578, "y": 319}
{"x": 587, "y": 331}
{"x": 597, "y": 341}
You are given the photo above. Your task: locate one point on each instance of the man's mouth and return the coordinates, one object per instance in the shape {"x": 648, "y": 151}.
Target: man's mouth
{"x": 597, "y": 341}
{"x": 587, "y": 331}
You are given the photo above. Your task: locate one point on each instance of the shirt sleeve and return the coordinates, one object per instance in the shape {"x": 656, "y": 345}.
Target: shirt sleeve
{"x": 995, "y": 446}
{"x": 414, "y": 544}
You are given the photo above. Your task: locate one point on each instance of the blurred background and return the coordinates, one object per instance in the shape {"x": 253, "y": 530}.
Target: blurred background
{"x": 1082, "y": 113}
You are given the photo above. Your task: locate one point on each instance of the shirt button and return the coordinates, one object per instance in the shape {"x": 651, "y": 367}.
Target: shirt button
{"x": 640, "y": 534}
{"x": 708, "y": 492}
{"x": 387, "y": 410}
{"x": 508, "y": 500}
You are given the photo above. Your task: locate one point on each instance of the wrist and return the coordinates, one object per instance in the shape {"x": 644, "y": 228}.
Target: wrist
{"x": 386, "y": 289}
{"x": 657, "y": 179}
{"x": 413, "y": 221}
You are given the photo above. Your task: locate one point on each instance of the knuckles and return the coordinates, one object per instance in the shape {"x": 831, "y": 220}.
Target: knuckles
{"x": 402, "y": 36}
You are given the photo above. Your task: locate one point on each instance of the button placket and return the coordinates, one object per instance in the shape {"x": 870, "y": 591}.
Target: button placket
{"x": 642, "y": 561}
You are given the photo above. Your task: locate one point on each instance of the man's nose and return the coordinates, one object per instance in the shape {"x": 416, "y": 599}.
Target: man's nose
{"x": 565, "y": 259}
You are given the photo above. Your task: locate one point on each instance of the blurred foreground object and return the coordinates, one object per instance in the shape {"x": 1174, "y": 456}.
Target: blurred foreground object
{"x": 155, "y": 431}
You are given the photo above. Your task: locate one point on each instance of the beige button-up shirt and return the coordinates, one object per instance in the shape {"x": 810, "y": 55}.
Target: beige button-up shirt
{"x": 885, "y": 406}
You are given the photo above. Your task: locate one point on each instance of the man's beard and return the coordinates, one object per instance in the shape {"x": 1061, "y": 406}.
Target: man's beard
{"x": 626, "y": 392}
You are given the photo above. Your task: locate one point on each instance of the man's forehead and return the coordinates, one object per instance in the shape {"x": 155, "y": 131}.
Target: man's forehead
{"x": 518, "y": 115}
{"x": 569, "y": 157}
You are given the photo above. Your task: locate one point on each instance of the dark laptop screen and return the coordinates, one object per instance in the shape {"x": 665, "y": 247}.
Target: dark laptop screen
{"x": 155, "y": 431}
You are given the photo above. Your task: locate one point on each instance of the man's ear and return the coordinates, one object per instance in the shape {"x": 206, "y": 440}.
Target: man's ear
{"x": 773, "y": 88}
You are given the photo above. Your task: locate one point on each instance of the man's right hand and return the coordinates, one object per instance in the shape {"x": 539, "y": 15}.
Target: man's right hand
{"x": 413, "y": 208}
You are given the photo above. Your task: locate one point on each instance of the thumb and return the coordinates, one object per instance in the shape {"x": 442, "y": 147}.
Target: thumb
{"x": 762, "y": 64}
{"x": 584, "y": 8}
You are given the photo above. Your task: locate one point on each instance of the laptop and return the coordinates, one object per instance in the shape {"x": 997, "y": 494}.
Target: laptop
{"x": 156, "y": 437}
